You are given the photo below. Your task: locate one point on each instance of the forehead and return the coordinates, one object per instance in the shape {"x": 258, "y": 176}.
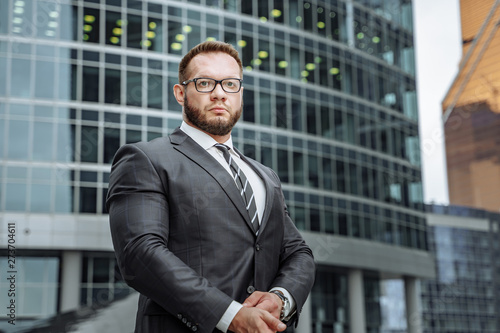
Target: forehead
{"x": 215, "y": 65}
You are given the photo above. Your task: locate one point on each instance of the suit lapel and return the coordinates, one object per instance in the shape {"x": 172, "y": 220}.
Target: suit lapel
{"x": 189, "y": 148}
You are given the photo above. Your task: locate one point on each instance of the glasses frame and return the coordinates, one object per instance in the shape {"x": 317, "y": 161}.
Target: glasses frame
{"x": 185, "y": 83}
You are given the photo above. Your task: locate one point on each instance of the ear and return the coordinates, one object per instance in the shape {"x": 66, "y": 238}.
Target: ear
{"x": 179, "y": 94}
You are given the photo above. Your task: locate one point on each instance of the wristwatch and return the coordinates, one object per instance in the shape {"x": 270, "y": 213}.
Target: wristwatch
{"x": 284, "y": 300}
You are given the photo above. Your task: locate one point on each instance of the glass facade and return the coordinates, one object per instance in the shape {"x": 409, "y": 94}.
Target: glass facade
{"x": 465, "y": 297}
{"x": 329, "y": 103}
{"x": 329, "y": 95}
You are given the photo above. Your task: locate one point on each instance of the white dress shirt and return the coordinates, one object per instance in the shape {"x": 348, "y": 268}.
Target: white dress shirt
{"x": 259, "y": 190}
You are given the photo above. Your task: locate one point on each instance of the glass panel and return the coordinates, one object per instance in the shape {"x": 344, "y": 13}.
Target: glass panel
{"x": 298, "y": 168}
{"x": 134, "y": 88}
{"x": 88, "y": 200}
{"x": 4, "y": 17}
{"x": 134, "y": 31}
{"x": 90, "y": 84}
{"x": 155, "y": 91}
{"x": 281, "y": 112}
{"x": 41, "y": 196}
{"x": 111, "y": 143}
{"x": 15, "y": 197}
{"x": 91, "y": 19}
{"x": 66, "y": 21}
{"x": 64, "y": 194}
{"x": 154, "y": 35}
{"x": 114, "y": 28}
{"x": 22, "y": 18}
{"x": 175, "y": 37}
{"x": 112, "y": 86}
{"x": 18, "y": 139}
{"x": 283, "y": 165}
{"x": 20, "y": 78}
{"x": 265, "y": 108}
{"x": 3, "y": 69}
{"x": 101, "y": 270}
{"x": 89, "y": 144}
{"x": 42, "y": 141}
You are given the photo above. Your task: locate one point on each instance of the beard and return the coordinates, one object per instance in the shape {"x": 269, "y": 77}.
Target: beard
{"x": 218, "y": 126}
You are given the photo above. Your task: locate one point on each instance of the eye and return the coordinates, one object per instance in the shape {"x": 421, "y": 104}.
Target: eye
{"x": 203, "y": 83}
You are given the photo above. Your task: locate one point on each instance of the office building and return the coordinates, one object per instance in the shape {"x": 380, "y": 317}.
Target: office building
{"x": 472, "y": 111}
{"x": 329, "y": 103}
{"x": 465, "y": 295}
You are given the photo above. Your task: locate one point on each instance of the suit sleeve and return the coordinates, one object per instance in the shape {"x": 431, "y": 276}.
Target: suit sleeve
{"x": 139, "y": 221}
{"x": 297, "y": 268}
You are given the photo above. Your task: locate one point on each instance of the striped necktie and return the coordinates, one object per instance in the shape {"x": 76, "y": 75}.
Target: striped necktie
{"x": 243, "y": 185}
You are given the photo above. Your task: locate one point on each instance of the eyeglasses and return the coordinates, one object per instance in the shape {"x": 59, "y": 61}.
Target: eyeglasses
{"x": 206, "y": 85}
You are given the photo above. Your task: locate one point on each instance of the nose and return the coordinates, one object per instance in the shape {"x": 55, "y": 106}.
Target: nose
{"x": 218, "y": 92}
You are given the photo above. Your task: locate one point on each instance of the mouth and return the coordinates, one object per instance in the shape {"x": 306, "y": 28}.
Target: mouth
{"x": 218, "y": 110}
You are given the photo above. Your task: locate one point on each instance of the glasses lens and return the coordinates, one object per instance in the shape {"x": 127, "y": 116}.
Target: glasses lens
{"x": 205, "y": 85}
{"x": 231, "y": 85}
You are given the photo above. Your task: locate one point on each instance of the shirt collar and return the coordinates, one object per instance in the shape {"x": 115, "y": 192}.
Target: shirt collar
{"x": 202, "y": 138}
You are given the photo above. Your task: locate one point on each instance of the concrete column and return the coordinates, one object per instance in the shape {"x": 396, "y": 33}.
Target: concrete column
{"x": 305, "y": 319}
{"x": 413, "y": 314}
{"x": 357, "y": 316}
{"x": 71, "y": 275}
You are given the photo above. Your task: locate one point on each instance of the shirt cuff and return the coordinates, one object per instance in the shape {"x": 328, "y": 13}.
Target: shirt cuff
{"x": 228, "y": 316}
{"x": 288, "y": 309}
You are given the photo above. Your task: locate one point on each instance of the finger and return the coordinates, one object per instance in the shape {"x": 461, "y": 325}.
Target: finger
{"x": 273, "y": 323}
{"x": 253, "y": 299}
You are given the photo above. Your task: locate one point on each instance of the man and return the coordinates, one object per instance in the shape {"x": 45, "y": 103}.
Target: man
{"x": 201, "y": 231}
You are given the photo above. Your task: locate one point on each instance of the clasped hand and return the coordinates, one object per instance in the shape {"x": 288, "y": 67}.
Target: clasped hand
{"x": 260, "y": 314}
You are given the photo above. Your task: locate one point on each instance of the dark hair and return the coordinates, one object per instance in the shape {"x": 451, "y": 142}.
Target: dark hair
{"x": 207, "y": 47}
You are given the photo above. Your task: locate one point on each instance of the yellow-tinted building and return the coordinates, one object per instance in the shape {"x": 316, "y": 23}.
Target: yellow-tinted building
{"x": 472, "y": 110}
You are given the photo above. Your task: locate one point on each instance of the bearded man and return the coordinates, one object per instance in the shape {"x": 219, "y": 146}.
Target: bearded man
{"x": 199, "y": 230}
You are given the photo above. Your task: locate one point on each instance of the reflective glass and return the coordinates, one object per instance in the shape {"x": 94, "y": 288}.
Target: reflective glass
{"x": 20, "y": 78}
{"x": 64, "y": 194}
{"x": 15, "y": 197}
{"x": 43, "y": 146}
{"x": 65, "y": 143}
{"x": 111, "y": 143}
{"x": 22, "y": 18}
{"x": 90, "y": 84}
{"x": 40, "y": 198}
{"x": 44, "y": 79}
{"x": 47, "y": 25}
{"x": 112, "y": 86}
{"x": 89, "y": 144}
{"x": 18, "y": 139}
{"x": 90, "y": 25}
{"x": 4, "y": 16}
{"x": 66, "y": 21}
{"x": 114, "y": 28}
{"x": 88, "y": 200}
{"x": 134, "y": 88}
{"x": 154, "y": 35}
{"x": 3, "y": 133}
{"x": 155, "y": 91}
{"x": 265, "y": 108}
{"x": 134, "y": 31}
{"x": 3, "y": 76}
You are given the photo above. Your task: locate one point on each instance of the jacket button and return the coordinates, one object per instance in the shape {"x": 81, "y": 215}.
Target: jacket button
{"x": 257, "y": 247}
{"x": 194, "y": 328}
{"x": 250, "y": 289}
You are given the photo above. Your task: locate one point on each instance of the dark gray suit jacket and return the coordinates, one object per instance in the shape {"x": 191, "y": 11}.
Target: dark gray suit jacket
{"x": 183, "y": 238}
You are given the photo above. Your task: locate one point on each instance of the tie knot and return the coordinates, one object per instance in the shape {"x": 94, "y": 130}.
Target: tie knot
{"x": 221, "y": 147}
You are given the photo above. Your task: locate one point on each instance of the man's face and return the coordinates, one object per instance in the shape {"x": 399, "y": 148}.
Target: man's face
{"x": 218, "y": 111}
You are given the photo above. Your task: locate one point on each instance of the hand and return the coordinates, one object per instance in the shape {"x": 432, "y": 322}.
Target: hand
{"x": 254, "y": 320}
{"x": 266, "y": 301}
